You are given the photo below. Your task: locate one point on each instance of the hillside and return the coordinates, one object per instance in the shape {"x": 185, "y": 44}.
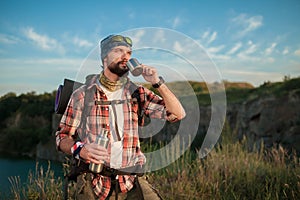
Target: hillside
{"x": 26, "y": 119}
{"x": 180, "y": 87}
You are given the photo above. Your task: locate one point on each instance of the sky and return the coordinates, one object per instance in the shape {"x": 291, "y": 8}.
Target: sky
{"x": 43, "y": 42}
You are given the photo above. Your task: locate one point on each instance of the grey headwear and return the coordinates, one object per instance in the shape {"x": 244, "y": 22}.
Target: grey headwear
{"x": 111, "y": 41}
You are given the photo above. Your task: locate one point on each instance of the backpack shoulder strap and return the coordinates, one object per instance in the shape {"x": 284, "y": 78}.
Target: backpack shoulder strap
{"x": 88, "y": 103}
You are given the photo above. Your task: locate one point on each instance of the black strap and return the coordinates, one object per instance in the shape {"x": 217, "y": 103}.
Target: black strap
{"x": 87, "y": 107}
{"x": 133, "y": 170}
{"x": 79, "y": 167}
{"x": 117, "y": 190}
{"x": 139, "y": 189}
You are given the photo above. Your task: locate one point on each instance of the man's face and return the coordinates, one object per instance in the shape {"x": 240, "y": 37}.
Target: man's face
{"x": 116, "y": 60}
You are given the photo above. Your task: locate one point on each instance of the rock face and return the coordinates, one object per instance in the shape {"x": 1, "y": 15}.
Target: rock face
{"x": 48, "y": 150}
{"x": 270, "y": 120}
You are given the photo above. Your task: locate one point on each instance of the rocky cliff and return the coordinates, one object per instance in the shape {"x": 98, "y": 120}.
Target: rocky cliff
{"x": 271, "y": 120}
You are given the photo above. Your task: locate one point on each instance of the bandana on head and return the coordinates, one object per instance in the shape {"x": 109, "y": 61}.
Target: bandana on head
{"x": 108, "y": 43}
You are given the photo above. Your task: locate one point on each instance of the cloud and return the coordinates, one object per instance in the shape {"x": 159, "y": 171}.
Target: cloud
{"x": 235, "y": 48}
{"x": 255, "y": 77}
{"x": 297, "y": 52}
{"x": 213, "y": 37}
{"x": 285, "y": 51}
{"x": 270, "y": 49}
{"x": 82, "y": 42}
{"x": 213, "y": 50}
{"x": 159, "y": 36}
{"x": 8, "y": 39}
{"x": 36, "y": 74}
{"x": 176, "y": 22}
{"x": 247, "y": 54}
{"x": 56, "y": 63}
{"x": 247, "y": 23}
{"x": 269, "y": 60}
{"x": 209, "y": 37}
{"x": 252, "y": 48}
{"x": 205, "y": 35}
{"x": 136, "y": 38}
{"x": 221, "y": 57}
{"x": 178, "y": 47}
{"x": 43, "y": 41}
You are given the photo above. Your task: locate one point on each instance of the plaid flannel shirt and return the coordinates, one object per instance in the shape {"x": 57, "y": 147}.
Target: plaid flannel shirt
{"x": 98, "y": 118}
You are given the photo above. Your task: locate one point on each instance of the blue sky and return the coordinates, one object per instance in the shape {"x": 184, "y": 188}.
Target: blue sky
{"x": 43, "y": 42}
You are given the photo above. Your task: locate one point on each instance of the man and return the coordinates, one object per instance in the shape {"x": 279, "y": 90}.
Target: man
{"x": 120, "y": 119}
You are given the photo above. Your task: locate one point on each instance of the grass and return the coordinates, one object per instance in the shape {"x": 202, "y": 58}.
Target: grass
{"x": 40, "y": 184}
{"x": 229, "y": 171}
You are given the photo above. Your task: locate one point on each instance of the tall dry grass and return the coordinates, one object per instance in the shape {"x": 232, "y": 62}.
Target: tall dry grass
{"x": 40, "y": 184}
{"x": 230, "y": 171}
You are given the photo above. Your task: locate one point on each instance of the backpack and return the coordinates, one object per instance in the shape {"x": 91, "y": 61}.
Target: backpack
{"x": 63, "y": 95}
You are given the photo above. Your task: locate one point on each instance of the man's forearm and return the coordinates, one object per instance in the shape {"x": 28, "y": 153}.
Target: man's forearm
{"x": 172, "y": 103}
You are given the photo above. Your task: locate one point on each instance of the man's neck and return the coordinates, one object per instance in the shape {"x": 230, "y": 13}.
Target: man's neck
{"x": 111, "y": 76}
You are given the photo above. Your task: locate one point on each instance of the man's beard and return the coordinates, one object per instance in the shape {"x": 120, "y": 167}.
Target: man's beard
{"x": 116, "y": 68}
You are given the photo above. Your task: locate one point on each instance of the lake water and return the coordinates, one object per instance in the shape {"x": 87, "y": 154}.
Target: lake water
{"x": 10, "y": 167}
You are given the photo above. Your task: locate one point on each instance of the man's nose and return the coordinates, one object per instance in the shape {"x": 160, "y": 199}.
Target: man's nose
{"x": 125, "y": 55}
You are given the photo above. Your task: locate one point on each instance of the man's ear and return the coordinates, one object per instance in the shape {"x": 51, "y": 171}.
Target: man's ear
{"x": 104, "y": 62}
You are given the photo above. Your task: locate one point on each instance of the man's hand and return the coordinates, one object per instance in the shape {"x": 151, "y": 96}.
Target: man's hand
{"x": 150, "y": 74}
{"x": 94, "y": 153}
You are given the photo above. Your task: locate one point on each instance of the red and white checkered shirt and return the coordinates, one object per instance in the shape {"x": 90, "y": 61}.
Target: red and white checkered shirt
{"x": 98, "y": 118}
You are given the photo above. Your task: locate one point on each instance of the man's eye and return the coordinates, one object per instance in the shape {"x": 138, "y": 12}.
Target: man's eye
{"x": 117, "y": 50}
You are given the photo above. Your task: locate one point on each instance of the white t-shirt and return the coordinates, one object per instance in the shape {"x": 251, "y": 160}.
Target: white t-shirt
{"x": 116, "y": 146}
